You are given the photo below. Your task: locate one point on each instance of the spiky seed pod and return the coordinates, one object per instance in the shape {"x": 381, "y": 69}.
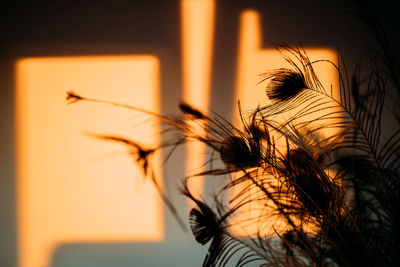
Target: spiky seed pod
{"x": 235, "y": 152}
{"x": 203, "y": 224}
{"x": 206, "y": 226}
{"x": 72, "y": 97}
{"x": 285, "y": 84}
{"x": 304, "y": 174}
{"x": 142, "y": 155}
{"x": 189, "y": 110}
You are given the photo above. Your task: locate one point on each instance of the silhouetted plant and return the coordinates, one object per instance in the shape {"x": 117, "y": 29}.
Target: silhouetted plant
{"x": 337, "y": 194}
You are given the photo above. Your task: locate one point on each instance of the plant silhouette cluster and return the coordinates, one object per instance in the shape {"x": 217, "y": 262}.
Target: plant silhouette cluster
{"x": 336, "y": 193}
{"x": 316, "y": 171}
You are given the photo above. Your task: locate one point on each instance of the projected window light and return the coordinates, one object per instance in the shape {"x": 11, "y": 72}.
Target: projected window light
{"x": 72, "y": 187}
{"x": 253, "y": 61}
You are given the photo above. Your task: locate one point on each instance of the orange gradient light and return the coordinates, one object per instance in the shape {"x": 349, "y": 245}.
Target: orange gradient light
{"x": 197, "y": 29}
{"x": 72, "y": 187}
{"x": 253, "y": 60}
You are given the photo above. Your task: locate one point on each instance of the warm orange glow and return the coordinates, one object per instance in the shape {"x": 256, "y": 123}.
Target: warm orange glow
{"x": 197, "y": 20}
{"x": 71, "y": 187}
{"x": 253, "y": 61}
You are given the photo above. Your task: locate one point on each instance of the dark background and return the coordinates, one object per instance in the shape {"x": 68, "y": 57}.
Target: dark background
{"x": 56, "y": 28}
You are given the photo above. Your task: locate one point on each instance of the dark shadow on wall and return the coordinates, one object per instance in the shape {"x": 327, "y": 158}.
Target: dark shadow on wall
{"x": 8, "y": 206}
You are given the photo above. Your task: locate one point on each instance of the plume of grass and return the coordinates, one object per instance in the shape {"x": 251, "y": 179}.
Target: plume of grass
{"x": 337, "y": 195}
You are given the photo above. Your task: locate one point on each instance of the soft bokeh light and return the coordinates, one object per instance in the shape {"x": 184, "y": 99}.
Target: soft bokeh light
{"x": 73, "y": 187}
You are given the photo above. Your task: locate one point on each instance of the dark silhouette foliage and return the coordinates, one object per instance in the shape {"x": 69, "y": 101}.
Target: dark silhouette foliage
{"x": 337, "y": 194}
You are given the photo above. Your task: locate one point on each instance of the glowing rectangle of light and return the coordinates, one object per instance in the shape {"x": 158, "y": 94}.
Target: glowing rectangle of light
{"x": 75, "y": 188}
{"x": 254, "y": 61}
{"x": 197, "y": 29}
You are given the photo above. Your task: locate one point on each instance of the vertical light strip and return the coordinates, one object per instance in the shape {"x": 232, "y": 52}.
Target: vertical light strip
{"x": 248, "y": 63}
{"x": 197, "y": 22}
{"x": 253, "y": 60}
